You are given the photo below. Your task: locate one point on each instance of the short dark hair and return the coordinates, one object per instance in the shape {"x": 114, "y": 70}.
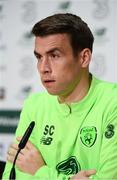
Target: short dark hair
{"x": 80, "y": 34}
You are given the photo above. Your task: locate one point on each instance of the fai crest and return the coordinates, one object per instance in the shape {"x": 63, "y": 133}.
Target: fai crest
{"x": 88, "y": 135}
{"x": 69, "y": 166}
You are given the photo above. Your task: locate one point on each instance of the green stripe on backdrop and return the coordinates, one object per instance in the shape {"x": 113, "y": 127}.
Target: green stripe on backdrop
{"x": 9, "y": 120}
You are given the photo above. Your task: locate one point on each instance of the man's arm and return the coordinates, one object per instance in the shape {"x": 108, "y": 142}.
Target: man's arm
{"x": 84, "y": 174}
{"x": 30, "y": 161}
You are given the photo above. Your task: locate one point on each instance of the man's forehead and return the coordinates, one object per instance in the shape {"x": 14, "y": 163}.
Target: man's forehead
{"x": 50, "y": 42}
{"x": 52, "y": 37}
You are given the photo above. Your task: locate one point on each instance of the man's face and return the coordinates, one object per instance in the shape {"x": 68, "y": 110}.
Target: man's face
{"x": 59, "y": 69}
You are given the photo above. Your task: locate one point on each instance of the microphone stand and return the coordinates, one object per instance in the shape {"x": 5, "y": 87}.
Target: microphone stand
{"x": 12, "y": 173}
{"x": 21, "y": 145}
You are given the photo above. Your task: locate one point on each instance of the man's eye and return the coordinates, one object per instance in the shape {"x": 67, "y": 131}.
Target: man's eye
{"x": 38, "y": 58}
{"x": 54, "y": 55}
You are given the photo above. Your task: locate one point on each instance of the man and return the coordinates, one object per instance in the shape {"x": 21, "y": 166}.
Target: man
{"x": 75, "y": 136}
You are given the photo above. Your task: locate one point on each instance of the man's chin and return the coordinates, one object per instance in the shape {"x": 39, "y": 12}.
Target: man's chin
{"x": 52, "y": 92}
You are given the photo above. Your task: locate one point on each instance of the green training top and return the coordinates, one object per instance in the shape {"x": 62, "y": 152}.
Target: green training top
{"x": 74, "y": 137}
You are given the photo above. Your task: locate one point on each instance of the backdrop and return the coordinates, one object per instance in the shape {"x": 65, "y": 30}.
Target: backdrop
{"x": 18, "y": 74}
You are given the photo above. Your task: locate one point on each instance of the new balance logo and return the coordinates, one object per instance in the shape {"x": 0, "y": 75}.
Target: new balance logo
{"x": 46, "y": 141}
{"x": 47, "y": 135}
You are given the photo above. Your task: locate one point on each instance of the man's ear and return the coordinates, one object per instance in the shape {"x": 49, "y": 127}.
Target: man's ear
{"x": 85, "y": 57}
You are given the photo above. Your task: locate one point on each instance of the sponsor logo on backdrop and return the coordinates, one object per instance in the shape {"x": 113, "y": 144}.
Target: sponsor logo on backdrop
{"x": 63, "y": 6}
{"x": 2, "y": 44}
{"x": 26, "y": 70}
{"x": 100, "y": 35}
{"x": 2, "y": 14}
{"x": 3, "y": 64}
{"x": 98, "y": 65}
{"x": 101, "y": 9}
{"x": 26, "y": 39}
{"x": 2, "y": 93}
{"x": 2, "y": 147}
{"x": 2, "y": 68}
{"x": 29, "y": 11}
{"x": 24, "y": 92}
{"x": 1, "y": 11}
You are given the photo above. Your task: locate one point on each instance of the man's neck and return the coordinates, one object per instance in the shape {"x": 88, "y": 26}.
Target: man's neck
{"x": 79, "y": 92}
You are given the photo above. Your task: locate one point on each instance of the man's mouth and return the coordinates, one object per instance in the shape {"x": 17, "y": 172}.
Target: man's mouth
{"x": 48, "y": 80}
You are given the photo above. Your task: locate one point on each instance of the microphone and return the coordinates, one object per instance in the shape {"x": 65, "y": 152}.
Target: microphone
{"x": 21, "y": 145}
{"x": 26, "y": 135}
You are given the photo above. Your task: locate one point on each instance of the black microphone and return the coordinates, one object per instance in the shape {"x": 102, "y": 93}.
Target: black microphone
{"x": 26, "y": 135}
{"x": 21, "y": 145}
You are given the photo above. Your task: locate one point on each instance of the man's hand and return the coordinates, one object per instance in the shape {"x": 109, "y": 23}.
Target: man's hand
{"x": 83, "y": 175}
{"x": 29, "y": 159}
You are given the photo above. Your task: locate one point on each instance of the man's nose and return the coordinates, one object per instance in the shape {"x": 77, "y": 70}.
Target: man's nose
{"x": 45, "y": 66}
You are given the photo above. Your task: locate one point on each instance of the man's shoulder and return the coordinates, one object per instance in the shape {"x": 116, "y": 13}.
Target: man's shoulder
{"x": 40, "y": 98}
{"x": 106, "y": 89}
{"x": 105, "y": 85}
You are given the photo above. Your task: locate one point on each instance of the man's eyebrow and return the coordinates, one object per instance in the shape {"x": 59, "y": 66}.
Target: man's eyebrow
{"x": 49, "y": 51}
{"x": 52, "y": 50}
{"x": 36, "y": 53}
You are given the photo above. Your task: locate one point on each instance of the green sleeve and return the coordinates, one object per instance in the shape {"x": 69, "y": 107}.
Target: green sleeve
{"x": 107, "y": 168}
{"x": 45, "y": 172}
